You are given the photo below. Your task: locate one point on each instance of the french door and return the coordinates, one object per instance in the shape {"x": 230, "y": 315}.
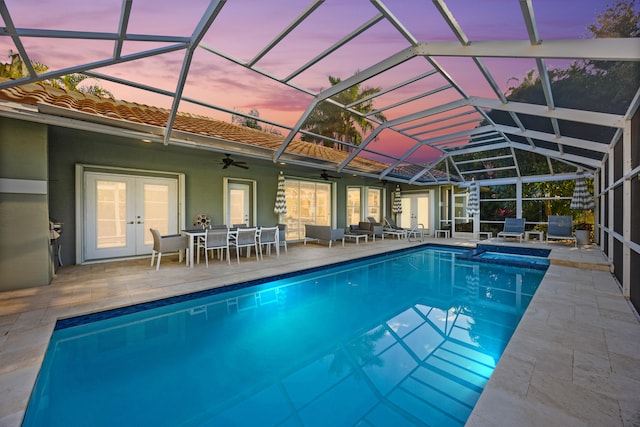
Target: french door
{"x": 120, "y": 209}
{"x": 416, "y": 209}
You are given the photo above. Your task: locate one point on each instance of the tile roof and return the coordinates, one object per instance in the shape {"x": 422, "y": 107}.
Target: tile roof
{"x": 410, "y": 171}
{"x": 38, "y": 93}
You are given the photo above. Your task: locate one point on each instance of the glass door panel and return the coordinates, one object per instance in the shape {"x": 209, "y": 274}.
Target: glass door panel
{"x": 156, "y": 210}
{"x": 239, "y": 204}
{"x": 323, "y": 204}
{"x": 460, "y": 212}
{"x": 111, "y": 214}
{"x": 308, "y": 202}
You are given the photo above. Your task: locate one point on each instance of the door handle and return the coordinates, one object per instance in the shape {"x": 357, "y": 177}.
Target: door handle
{"x": 130, "y": 222}
{"x": 140, "y": 222}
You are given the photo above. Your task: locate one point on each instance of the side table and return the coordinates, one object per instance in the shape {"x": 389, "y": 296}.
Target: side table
{"x": 488, "y": 235}
{"x": 443, "y": 233}
{"x": 528, "y": 234}
{"x": 357, "y": 237}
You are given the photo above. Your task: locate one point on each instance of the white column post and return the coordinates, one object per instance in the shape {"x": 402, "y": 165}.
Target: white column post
{"x": 626, "y": 209}
{"x": 610, "y": 204}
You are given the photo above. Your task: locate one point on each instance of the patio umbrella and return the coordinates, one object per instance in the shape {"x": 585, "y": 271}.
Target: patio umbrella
{"x": 582, "y": 199}
{"x": 397, "y": 202}
{"x": 473, "y": 204}
{"x": 281, "y": 197}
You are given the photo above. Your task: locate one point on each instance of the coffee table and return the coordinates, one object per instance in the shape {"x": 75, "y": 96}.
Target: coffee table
{"x": 356, "y": 237}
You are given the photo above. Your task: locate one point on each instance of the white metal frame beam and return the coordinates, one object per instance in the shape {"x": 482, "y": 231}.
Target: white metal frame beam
{"x": 198, "y": 33}
{"x": 582, "y": 116}
{"x": 611, "y": 49}
{"x": 563, "y": 140}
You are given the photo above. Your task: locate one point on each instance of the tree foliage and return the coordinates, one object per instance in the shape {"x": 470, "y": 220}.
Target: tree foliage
{"x": 332, "y": 121}
{"x": 602, "y": 86}
{"x": 252, "y": 121}
{"x": 17, "y": 69}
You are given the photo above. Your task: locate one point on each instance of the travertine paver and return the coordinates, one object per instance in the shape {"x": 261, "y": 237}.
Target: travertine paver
{"x": 566, "y": 353}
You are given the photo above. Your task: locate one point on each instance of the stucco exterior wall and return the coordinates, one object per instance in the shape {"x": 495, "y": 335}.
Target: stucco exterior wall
{"x": 24, "y": 213}
{"x": 203, "y": 176}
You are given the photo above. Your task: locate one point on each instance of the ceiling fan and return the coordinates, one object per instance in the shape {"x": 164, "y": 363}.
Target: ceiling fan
{"x": 228, "y": 161}
{"x": 324, "y": 175}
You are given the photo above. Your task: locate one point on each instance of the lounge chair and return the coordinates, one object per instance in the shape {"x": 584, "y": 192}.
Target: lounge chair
{"x": 561, "y": 228}
{"x": 392, "y": 224}
{"x": 393, "y": 229}
{"x": 513, "y": 227}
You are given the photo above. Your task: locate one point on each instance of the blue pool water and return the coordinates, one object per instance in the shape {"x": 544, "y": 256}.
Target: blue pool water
{"x": 404, "y": 339}
{"x": 513, "y": 258}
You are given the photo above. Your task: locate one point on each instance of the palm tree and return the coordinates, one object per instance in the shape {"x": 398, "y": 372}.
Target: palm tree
{"x": 17, "y": 69}
{"x": 330, "y": 120}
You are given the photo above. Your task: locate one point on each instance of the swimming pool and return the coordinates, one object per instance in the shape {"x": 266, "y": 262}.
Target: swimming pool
{"x": 403, "y": 339}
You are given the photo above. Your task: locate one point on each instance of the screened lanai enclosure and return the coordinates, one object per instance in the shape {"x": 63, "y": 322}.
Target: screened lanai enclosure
{"x": 517, "y": 96}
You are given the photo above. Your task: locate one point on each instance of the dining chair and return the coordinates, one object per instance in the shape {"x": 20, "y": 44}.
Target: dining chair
{"x": 245, "y": 238}
{"x": 269, "y": 236}
{"x": 168, "y": 243}
{"x": 282, "y": 236}
{"x": 215, "y": 239}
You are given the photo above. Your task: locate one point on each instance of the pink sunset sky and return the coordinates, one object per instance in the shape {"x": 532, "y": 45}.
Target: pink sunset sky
{"x": 244, "y": 27}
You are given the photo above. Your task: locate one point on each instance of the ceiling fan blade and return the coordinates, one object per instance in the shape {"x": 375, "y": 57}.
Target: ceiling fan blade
{"x": 324, "y": 175}
{"x": 228, "y": 161}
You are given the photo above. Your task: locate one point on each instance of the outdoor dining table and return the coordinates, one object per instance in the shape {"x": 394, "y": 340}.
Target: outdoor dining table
{"x": 194, "y": 233}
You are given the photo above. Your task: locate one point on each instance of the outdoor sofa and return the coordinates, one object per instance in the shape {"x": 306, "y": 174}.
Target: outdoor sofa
{"x": 323, "y": 232}
{"x": 368, "y": 228}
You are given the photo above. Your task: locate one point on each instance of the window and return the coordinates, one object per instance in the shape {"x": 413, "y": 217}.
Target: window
{"x": 354, "y": 204}
{"x": 363, "y": 202}
{"x": 374, "y": 203}
{"x": 308, "y": 202}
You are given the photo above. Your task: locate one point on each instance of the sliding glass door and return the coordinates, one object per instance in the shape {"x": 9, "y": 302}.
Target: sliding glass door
{"x": 308, "y": 202}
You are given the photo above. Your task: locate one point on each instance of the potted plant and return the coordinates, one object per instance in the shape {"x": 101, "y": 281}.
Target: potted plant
{"x": 583, "y": 232}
